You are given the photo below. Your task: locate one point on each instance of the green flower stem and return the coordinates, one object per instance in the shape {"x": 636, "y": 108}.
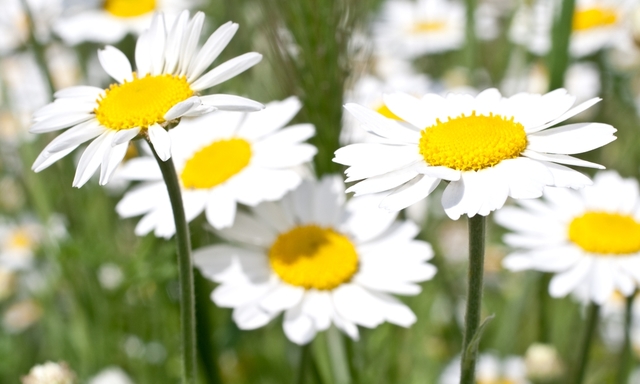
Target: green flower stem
{"x": 471, "y": 47}
{"x": 38, "y": 49}
{"x": 185, "y": 269}
{"x": 592, "y": 320}
{"x": 558, "y": 58}
{"x": 474, "y": 298}
{"x": 338, "y": 356}
{"x": 305, "y": 363}
{"x": 625, "y": 355}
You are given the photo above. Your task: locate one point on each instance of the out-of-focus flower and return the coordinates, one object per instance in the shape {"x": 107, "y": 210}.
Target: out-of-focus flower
{"x": 14, "y": 22}
{"x": 597, "y": 24}
{"x": 12, "y": 192}
{"x": 111, "y": 375}
{"x": 320, "y": 260}
{"x": 490, "y": 369}
{"x": 590, "y": 239}
{"x": 145, "y": 103}
{"x": 21, "y": 315}
{"x": 19, "y": 242}
{"x": 488, "y": 147}
{"x": 411, "y": 29}
{"x": 110, "y": 276}
{"x": 50, "y": 373}
{"x": 114, "y": 19}
{"x": 543, "y": 363}
{"x": 222, "y": 159}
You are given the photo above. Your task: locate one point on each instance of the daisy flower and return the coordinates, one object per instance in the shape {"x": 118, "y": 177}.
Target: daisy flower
{"x": 417, "y": 28}
{"x": 113, "y": 19}
{"x": 590, "y": 239}
{"x": 320, "y": 260}
{"x": 164, "y": 88}
{"x": 490, "y": 370}
{"x": 597, "y": 24}
{"x": 50, "y": 373}
{"x": 14, "y": 26}
{"x": 488, "y": 147}
{"x": 222, "y": 159}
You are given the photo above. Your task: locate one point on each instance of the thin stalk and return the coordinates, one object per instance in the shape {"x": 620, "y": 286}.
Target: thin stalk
{"x": 471, "y": 47}
{"x": 38, "y": 49}
{"x": 338, "y": 356}
{"x": 558, "y": 58}
{"x": 592, "y": 320}
{"x": 625, "y": 354}
{"x": 474, "y": 297}
{"x": 305, "y": 362}
{"x": 544, "y": 329}
{"x": 185, "y": 269}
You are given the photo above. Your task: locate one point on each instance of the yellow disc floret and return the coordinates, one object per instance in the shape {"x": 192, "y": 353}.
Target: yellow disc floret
{"x": 216, "y": 163}
{"x": 141, "y": 102}
{"x": 313, "y": 257}
{"x": 471, "y": 143}
{"x": 585, "y": 19}
{"x": 606, "y": 233}
{"x": 428, "y": 26}
{"x": 129, "y": 8}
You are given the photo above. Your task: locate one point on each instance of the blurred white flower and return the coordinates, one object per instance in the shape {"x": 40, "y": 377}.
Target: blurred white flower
{"x": 490, "y": 369}
{"x": 222, "y": 159}
{"x": 590, "y": 239}
{"x": 21, "y": 315}
{"x": 411, "y": 29}
{"x": 50, "y": 373}
{"x": 111, "y": 375}
{"x": 320, "y": 260}
{"x": 14, "y": 25}
{"x": 114, "y": 19}
{"x": 597, "y": 24}
{"x": 110, "y": 276}
{"x": 543, "y": 362}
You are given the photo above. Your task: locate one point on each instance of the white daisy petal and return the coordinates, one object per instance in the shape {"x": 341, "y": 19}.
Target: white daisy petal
{"x": 174, "y": 42}
{"x": 394, "y": 311}
{"x": 356, "y": 304}
{"x": 563, "y": 283}
{"x": 231, "y": 103}
{"x": 297, "y": 326}
{"x": 143, "y": 54}
{"x": 182, "y": 108}
{"x": 45, "y": 159}
{"x": 161, "y": 141}
{"x": 112, "y": 158}
{"x": 190, "y": 42}
{"x": 60, "y": 122}
{"x": 125, "y": 135}
{"x": 569, "y": 114}
{"x": 226, "y": 70}
{"x": 75, "y": 136}
{"x": 382, "y": 126}
{"x": 115, "y": 63}
{"x": 250, "y": 317}
{"x": 83, "y": 91}
{"x": 409, "y": 193}
{"x": 211, "y": 49}
{"x": 91, "y": 158}
{"x": 282, "y": 297}
{"x": 572, "y": 138}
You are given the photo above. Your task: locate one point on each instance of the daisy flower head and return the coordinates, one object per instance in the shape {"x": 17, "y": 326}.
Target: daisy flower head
{"x": 165, "y": 87}
{"x": 590, "y": 239}
{"x": 488, "y": 147}
{"x": 597, "y": 24}
{"x": 222, "y": 159}
{"x": 320, "y": 260}
{"x": 416, "y": 28}
{"x": 113, "y": 19}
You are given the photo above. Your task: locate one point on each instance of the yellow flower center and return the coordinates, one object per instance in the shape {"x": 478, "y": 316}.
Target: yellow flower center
{"x": 606, "y": 233}
{"x": 141, "y": 102}
{"x": 216, "y": 163}
{"x": 129, "y": 8}
{"x": 386, "y": 112}
{"x": 313, "y": 257}
{"x": 428, "y": 26}
{"x": 471, "y": 143}
{"x": 19, "y": 239}
{"x": 589, "y": 18}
